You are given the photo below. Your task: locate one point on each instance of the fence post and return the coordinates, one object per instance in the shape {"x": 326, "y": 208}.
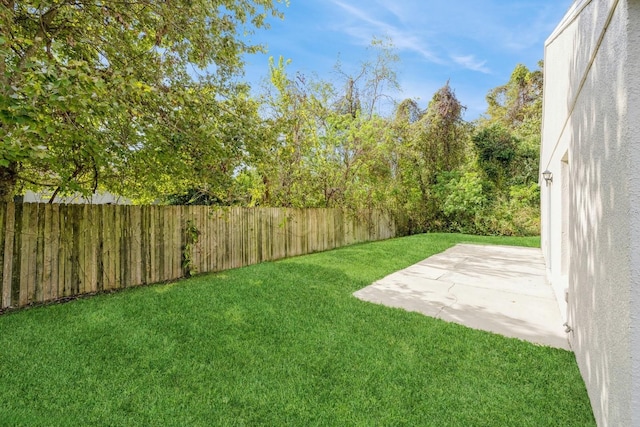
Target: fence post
{"x": 7, "y": 259}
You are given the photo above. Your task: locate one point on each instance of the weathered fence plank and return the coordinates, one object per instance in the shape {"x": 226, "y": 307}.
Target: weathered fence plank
{"x": 8, "y": 254}
{"x": 61, "y": 252}
{"x": 56, "y": 251}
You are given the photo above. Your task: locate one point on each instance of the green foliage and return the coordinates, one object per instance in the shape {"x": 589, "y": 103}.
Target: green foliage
{"x": 525, "y": 195}
{"x": 194, "y": 197}
{"x": 495, "y": 144}
{"x": 442, "y": 134}
{"x": 96, "y": 95}
{"x": 518, "y": 103}
{"x": 284, "y": 164}
{"x": 192, "y": 233}
{"x": 428, "y": 167}
{"x": 507, "y": 146}
{"x": 496, "y": 149}
{"x": 461, "y": 196}
{"x": 100, "y": 93}
{"x": 516, "y": 214}
{"x": 427, "y": 144}
{"x": 324, "y": 147}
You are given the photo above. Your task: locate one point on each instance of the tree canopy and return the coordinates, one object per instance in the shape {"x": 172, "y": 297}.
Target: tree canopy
{"x": 106, "y": 92}
{"x": 145, "y": 99}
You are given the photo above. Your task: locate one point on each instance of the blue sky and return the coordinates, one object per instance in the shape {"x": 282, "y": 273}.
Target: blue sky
{"x": 473, "y": 43}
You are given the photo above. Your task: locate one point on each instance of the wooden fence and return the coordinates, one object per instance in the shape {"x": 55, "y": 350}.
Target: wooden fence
{"x": 56, "y": 251}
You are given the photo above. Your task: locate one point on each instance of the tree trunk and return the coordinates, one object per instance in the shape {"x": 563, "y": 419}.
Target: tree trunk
{"x": 8, "y": 181}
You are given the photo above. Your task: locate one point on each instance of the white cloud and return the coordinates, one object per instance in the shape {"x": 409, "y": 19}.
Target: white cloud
{"x": 402, "y": 39}
{"x": 362, "y": 15}
{"x": 471, "y": 63}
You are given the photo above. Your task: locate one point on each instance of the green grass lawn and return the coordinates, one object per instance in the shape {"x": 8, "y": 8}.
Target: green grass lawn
{"x": 280, "y": 343}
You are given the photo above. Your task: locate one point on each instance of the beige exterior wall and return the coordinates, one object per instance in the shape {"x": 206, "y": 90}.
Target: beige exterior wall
{"x": 633, "y": 178}
{"x": 591, "y": 210}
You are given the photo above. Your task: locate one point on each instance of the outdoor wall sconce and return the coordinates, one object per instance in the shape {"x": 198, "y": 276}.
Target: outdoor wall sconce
{"x": 548, "y": 176}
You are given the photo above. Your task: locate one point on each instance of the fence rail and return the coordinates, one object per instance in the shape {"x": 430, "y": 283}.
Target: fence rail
{"x": 57, "y": 251}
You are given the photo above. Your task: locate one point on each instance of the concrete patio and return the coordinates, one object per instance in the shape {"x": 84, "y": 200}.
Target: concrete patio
{"x": 500, "y": 289}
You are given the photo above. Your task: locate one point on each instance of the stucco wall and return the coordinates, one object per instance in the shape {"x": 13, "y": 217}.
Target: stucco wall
{"x": 587, "y": 124}
{"x": 633, "y": 136}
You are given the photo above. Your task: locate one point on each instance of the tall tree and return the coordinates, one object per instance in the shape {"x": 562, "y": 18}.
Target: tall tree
{"x": 373, "y": 82}
{"x": 294, "y": 111}
{"x": 507, "y": 144}
{"x": 326, "y": 144}
{"x": 442, "y": 132}
{"x": 92, "y": 89}
{"x": 429, "y": 144}
{"x": 517, "y": 103}
{"x": 515, "y": 108}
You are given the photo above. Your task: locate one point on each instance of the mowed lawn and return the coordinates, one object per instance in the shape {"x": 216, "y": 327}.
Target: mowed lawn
{"x": 280, "y": 343}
